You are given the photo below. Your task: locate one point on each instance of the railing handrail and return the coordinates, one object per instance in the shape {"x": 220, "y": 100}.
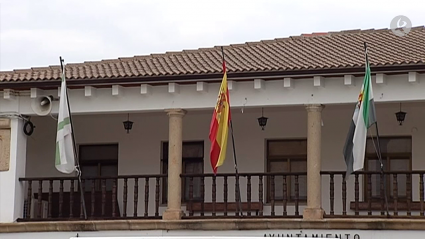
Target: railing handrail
{"x": 219, "y": 175}
{"x": 95, "y": 178}
{"x": 243, "y": 174}
{"x": 374, "y": 172}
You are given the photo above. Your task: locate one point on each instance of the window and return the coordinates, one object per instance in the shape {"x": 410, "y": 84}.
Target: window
{"x": 193, "y": 163}
{"x": 95, "y": 161}
{"x": 396, "y": 156}
{"x": 99, "y": 160}
{"x": 287, "y": 156}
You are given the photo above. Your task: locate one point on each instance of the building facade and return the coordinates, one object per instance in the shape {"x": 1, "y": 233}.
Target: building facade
{"x": 156, "y": 179}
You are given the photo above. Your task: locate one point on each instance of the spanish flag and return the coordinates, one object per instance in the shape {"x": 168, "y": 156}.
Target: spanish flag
{"x": 219, "y": 127}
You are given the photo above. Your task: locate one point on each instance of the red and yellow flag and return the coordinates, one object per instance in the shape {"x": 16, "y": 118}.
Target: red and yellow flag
{"x": 219, "y": 127}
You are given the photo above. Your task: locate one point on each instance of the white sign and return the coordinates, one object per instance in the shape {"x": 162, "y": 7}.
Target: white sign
{"x": 212, "y": 237}
{"x": 257, "y": 234}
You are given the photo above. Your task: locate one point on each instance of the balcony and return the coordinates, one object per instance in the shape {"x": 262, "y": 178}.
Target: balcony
{"x": 59, "y": 198}
{"x": 209, "y": 196}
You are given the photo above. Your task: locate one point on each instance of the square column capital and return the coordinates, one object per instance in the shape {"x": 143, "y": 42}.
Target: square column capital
{"x": 176, "y": 112}
{"x": 314, "y": 107}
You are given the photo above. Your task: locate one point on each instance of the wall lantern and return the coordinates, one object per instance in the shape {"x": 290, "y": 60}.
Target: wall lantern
{"x": 400, "y": 116}
{"x": 128, "y": 124}
{"x": 262, "y": 121}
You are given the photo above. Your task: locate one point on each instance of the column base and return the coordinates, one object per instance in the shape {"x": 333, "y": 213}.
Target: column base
{"x": 171, "y": 214}
{"x": 313, "y": 213}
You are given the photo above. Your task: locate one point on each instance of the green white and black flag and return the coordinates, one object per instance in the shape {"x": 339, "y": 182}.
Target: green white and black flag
{"x": 65, "y": 158}
{"x": 364, "y": 116}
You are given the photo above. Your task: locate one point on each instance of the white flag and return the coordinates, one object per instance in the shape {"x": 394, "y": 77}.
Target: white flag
{"x": 65, "y": 160}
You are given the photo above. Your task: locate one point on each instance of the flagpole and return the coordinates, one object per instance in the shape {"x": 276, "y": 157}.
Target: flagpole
{"x": 378, "y": 151}
{"x": 382, "y": 167}
{"x": 235, "y": 161}
{"x": 77, "y": 163}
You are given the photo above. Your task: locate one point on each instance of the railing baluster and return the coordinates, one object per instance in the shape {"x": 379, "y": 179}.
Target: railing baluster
{"x": 157, "y": 197}
{"x": 382, "y": 194}
{"x": 191, "y": 195}
{"x": 285, "y": 196}
{"x": 260, "y": 194}
{"x": 71, "y": 199}
{"x": 146, "y": 197}
{"x": 356, "y": 193}
{"x": 248, "y": 194}
{"x": 93, "y": 198}
{"x": 103, "y": 184}
{"x": 124, "y": 213}
{"x": 408, "y": 192}
{"x": 114, "y": 197}
{"x": 297, "y": 195}
{"x": 421, "y": 190}
{"x": 344, "y": 196}
{"x": 214, "y": 194}
{"x": 237, "y": 196}
{"x": 331, "y": 193}
{"x": 60, "y": 197}
{"x": 202, "y": 195}
{"x": 225, "y": 195}
{"x": 135, "y": 196}
{"x": 83, "y": 186}
{"x": 29, "y": 199}
{"x": 369, "y": 193}
{"x": 49, "y": 203}
{"x": 395, "y": 194}
{"x": 272, "y": 194}
{"x": 40, "y": 192}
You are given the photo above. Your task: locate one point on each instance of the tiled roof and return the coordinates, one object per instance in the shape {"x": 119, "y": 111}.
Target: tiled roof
{"x": 331, "y": 50}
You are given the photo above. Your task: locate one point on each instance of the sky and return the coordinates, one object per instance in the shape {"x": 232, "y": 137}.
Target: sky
{"x": 34, "y": 33}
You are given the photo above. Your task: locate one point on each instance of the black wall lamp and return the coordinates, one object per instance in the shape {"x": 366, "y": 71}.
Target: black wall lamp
{"x": 262, "y": 121}
{"x": 400, "y": 116}
{"x": 128, "y": 124}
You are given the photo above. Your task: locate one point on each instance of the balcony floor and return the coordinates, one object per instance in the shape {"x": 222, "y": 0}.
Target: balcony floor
{"x": 215, "y": 224}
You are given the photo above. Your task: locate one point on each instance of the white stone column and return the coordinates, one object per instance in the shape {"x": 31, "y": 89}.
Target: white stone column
{"x": 175, "y": 144}
{"x": 13, "y": 148}
{"x": 314, "y": 145}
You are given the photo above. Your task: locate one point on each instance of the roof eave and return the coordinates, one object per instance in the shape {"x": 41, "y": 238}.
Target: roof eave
{"x": 302, "y": 73}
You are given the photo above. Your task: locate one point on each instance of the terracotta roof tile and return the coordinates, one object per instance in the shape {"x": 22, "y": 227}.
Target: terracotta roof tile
{"x": 322, "y": 50}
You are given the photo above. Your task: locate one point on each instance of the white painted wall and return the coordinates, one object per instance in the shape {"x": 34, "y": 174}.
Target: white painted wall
{"x": 395, "y": 88}
{"x": 11, "y": 190}
{"x": 140, "y": 151}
